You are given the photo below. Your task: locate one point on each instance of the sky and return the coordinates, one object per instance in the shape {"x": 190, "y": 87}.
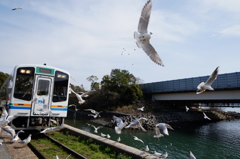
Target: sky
{"x": 92, "y": 37}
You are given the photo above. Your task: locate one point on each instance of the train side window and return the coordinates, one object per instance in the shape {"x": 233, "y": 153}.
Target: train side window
{"x": 60, "y": 87}
{"x": 24, "y": 83}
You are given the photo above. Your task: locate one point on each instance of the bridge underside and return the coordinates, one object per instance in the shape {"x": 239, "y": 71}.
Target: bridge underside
{"x": 226, "y": 98}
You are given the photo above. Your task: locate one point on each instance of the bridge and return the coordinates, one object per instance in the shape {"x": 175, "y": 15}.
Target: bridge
{"x": 183, "y": 91}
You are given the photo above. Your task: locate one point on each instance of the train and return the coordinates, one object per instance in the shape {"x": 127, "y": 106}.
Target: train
{"x": 37, "y": 95}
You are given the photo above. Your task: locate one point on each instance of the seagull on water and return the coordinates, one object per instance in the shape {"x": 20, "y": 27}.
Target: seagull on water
{"x": 103, "y": 135}
{"x": 120, "y": 124}
{"x": 163, "y": 127}
{"x": 119, "y": 139}
{"x": 137, "y": 139}
{"x": 146, "y": 148}
{"x": 205, "y": 116}
{"x": 137, "y": 124}
{"x": 142, "y": 37}
{"x": 203, "y": 86}
{"x": 192, "y": 156}
{"x": 158, "y": 154}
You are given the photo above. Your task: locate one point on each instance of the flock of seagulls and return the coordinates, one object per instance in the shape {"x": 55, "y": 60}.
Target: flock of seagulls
{"x": 8, "y": 130}
{"x": 160, "y": 127}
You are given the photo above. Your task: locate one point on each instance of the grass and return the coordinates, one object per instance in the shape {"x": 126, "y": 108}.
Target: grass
{"x": 87, "y": 148}
{"x": 48, "y": 149}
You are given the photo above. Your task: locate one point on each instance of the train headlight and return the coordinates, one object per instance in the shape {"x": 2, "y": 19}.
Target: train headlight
{"x": 61, "y": 76}
{"x": 25, "y": 71}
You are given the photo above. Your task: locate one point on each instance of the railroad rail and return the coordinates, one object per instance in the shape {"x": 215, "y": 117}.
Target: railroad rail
{"x": 60, "y": 145}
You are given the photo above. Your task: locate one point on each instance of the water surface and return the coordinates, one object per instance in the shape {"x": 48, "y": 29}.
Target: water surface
{"x": 220, "y": 140}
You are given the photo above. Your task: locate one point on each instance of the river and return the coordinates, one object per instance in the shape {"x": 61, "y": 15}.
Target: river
{"x": 219, "y": 140}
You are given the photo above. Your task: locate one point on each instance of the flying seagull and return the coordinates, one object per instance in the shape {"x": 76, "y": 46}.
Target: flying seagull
{"x": 95, "y": 113}
{"x": 187, "y": 109}
{"x": 163, "y": 127}
{"x": 141, "y": 109}
{"x": 205, "y": 116}
{"x": 96, "y": 128}
{"x": 27, "y": 140}
{"x": 136, "y": 124}
{"x": 202, "y": 87}
{"x": 120, "y": 124}
{"x": 17, "y": 9}
{"x": 142, "y": 37}
{"x": 16, "y": 138}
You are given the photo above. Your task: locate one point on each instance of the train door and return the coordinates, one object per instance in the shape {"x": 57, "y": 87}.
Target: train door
{"x": 42, "y": 95}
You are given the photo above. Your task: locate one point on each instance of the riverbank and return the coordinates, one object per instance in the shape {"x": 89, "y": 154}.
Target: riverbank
{"x": 177, "y": 119}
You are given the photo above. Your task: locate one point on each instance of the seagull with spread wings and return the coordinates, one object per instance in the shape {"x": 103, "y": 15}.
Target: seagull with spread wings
{"x": 142, "y": 37}
{"x": 203, "y": 86}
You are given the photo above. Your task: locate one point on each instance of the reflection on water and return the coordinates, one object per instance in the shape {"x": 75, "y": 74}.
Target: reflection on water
{"x": 219, "y": 140}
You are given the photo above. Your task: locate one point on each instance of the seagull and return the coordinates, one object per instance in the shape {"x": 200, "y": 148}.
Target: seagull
{"x": 146, "y": 148}
{"x": 108, "y": 136}
{"x": 142, "y": 37}
{"x": 158, "y": 133}
{"x": 50, "y": 129}
{"x": 27, "y": 140}
{"x": 75, "y": 112}
{"x": 141, "y": 109}
{"x": 10, "y": 130}
{"x": 1, "y": 141}
{"x": 165, "y": 155}
{"x": 205, "y": 116}
{"x": 79, "y": 97}
{"x": 202, "y": 87}
{"x": 95, "y": 113}
{"x": 192, "y": 156}
{"x": 96, "y": 128}
{"x": 7, "y": 119}
{"x": 120, "y": 124}
{"x": 17, "y": 9}
{"x": 16, "y": 138}
{"x": 157, "y": 154}
{"x": 187, "y": 109}
{"x": 119, "y": 139}
{"x": 137, "y": 139}
{"x": 136, "y": 124}
{"x": 163, "y": 127}
{"x": 103, "y": 135}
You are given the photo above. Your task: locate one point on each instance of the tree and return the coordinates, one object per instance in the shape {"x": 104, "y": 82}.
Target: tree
{"x": 94, "y": 85}
{"x": 3, "y": 77}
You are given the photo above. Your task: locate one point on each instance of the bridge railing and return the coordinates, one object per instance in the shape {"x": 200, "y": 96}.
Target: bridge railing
{"x": 223, "y": 82}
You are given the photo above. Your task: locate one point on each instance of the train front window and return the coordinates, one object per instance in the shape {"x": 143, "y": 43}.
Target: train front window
{"x": 24, "y": 83}
{"x": 60, "y": 87}
{"x": 43, "y": 87}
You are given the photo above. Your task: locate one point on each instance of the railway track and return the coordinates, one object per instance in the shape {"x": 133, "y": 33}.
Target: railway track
{"x": 64, "y": 148}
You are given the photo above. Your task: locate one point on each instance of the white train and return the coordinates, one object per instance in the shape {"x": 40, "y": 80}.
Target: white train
{"x": 37, "y": 94}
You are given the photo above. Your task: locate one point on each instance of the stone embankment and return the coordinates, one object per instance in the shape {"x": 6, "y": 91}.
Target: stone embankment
{"x": 177, "y": 119}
